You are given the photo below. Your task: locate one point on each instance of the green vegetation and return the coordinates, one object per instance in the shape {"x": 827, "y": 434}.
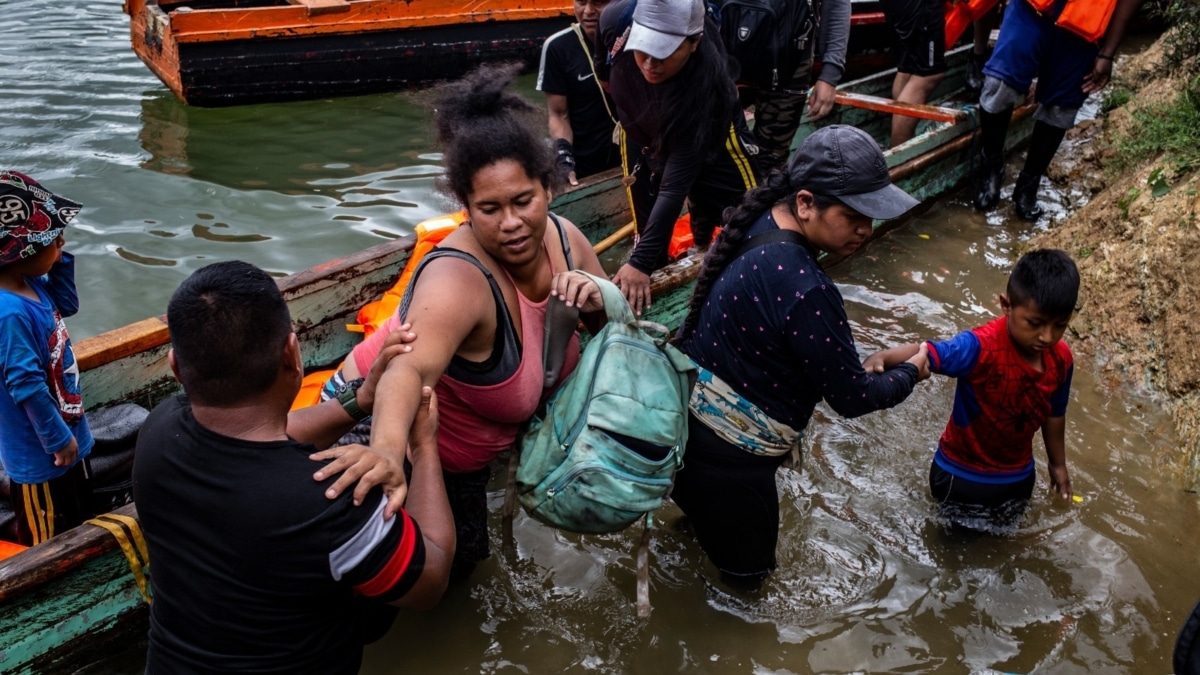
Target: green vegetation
{"x": 1171, "y": 129}
{"x": 1183, "y": 44}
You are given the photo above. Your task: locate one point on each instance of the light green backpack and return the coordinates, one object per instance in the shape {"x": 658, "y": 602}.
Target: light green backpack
{"x": 607, "y": 448}
{"x": 612, "y": 437}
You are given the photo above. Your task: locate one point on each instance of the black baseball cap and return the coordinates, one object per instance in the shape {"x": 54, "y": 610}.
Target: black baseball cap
{"x": 845, "y": 162}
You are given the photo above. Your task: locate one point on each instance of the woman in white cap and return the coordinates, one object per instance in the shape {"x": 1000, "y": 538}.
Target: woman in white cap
{"x": 682, "y": 125}
{"x": 768, "y": 330}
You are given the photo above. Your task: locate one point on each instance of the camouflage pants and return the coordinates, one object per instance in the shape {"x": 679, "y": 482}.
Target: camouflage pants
{"x": 777, "y": 115}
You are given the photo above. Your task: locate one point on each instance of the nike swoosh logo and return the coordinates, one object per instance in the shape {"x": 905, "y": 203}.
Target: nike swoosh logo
{"x": 584, "y": 77}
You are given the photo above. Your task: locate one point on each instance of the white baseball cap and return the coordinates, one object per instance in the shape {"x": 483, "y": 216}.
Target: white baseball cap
{"x": 660, "y": 26}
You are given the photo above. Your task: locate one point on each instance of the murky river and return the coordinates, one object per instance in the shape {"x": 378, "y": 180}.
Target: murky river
{"x": 868, "y": 580}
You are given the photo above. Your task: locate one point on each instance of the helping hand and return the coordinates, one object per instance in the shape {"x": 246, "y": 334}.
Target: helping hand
{"x": 577, "y": 290}
{"x": 921, "y": 361}
{"x": 397, "y": 343}
{"x": 635, "y": 285}
{"x": 358, "y": 463}
{"x": 875, "y": 363}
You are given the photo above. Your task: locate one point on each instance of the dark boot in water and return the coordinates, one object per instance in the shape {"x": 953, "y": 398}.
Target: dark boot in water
{"x": 993, "y": 127}
{"x": 988, "y": 180}
{"x": 1025, "y": 197}
{"x": 1043, "y": 144}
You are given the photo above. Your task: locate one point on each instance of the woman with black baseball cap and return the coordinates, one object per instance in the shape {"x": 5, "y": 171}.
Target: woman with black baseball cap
{"x": 682, "y": 126}
{"x": 768, "y": 330}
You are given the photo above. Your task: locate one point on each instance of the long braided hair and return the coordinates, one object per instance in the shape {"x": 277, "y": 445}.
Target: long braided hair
{"x": 776, "y": 189}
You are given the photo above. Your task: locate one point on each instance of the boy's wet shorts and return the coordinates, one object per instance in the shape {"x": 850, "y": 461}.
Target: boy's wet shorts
{"x": 993, "y": 507}
{"x": 918, "y": 35}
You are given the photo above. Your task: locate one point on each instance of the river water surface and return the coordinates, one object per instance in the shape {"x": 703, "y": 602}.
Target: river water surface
{"x": 868, "y": 580}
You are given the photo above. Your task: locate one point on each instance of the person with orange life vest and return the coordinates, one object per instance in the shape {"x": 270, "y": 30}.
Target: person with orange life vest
{"x": 1069, "y": 48}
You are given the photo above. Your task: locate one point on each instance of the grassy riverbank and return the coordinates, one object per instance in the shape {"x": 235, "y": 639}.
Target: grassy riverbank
{"x": 1137, "y": 241}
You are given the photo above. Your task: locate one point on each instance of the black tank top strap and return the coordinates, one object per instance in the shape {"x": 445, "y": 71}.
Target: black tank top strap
{"x": 566, "y": 243}
{"x": 506, "y": 348}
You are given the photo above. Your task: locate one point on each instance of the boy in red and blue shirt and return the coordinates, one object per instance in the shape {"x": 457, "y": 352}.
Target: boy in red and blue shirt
{"x": 1014, "y": 377}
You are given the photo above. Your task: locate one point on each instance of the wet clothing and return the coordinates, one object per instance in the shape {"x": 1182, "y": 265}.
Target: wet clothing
{"x": 41, "y": 407}
{"x": 1000, "y": 402}
{"x": 949, "y": 488}
{"x": 731, "y": 501}
{"x": 254, "y": 569}
{"x": 774, "y": 327}
{"x": 711, "y": 178}
{"x": 777, "y": 112}
{"x": 918, "y": 35}
{"x": 566, "y": 70}
{"x": 481, "y": 406}
{"x": 1031, "y": 46}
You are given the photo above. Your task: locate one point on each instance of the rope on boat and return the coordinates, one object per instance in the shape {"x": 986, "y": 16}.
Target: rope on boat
{"x": 139, "y": 566}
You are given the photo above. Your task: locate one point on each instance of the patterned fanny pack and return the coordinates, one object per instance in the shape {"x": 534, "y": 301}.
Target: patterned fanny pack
{"x": 738, "y": 421}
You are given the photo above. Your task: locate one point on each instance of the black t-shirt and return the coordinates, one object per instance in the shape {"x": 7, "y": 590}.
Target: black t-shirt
{"x": 254, "y": 570}
{"x": 566, "y": 70}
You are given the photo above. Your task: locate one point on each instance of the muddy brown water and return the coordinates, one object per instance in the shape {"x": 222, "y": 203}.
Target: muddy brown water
{"x": 868, "y": 580}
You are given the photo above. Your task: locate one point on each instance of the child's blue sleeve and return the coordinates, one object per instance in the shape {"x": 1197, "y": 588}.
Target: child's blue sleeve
{"x": 954, "y": 357}
{"x": 60, "y": 286}
{"x": 25, "y": 380}
{"x": 1062, "y": 395}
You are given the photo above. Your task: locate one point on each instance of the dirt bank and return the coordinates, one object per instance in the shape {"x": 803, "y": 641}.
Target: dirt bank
{"x": 1138, "y": 250}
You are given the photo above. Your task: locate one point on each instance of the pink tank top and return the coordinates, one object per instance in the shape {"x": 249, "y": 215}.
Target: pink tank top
{"x": 478, "y": 422}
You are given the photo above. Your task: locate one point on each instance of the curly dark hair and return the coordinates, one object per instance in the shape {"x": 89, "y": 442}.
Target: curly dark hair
{"x": 776, "y": 189}
{"x": 481, "y": 121}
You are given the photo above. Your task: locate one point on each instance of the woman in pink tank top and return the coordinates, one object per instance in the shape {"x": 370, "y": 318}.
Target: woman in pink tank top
{"x": 480, "y": 317}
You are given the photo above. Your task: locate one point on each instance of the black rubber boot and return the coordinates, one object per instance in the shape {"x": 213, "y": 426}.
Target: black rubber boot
{"x": 1043, "y": 144}
{"x": 1025, "y": 197}
{"x": 989, "y": 174}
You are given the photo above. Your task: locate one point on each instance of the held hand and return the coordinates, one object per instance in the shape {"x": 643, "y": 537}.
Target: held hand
{"x": 921, "y": 361}
{"x": 397, "y": 342}
{"x": 577, "y": 290}
{"x": 820, "y": 101}
{"x": 635, "y": 285}
{"x": 68, "y": 455}
{"x": 1098, "y": 78}
{"x": 423, "y": 437}
{"x": 1060, "y": 481}
{"x": 875, "y": 363}
{"x": 358, "y": 463}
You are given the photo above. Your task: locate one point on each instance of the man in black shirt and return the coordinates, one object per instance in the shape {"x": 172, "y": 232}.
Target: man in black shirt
{"x": 256, "y": 566}
{"x": 581, "y": 113}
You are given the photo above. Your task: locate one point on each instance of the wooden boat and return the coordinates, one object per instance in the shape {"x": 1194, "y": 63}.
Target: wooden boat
{"x": 67, "y": 601}
{"x": 230, "y": 52}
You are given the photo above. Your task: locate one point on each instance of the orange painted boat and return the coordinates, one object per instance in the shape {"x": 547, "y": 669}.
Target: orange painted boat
{"x": 230, "y": 52}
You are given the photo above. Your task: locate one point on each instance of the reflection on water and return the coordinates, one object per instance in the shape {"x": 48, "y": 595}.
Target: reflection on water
{"x": 295, "y": 184}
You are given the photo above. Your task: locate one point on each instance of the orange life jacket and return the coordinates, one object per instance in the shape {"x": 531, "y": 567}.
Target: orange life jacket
{"x": 1086, "y": 18}
{"x": 961, "y": 13}
{"x": 372, "y": 315}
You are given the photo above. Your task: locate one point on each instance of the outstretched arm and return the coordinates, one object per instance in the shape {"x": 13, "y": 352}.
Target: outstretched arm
{"x": 890, "y": 358}
{"x": 1054, "y": 435}
{"x": 428, "y": 506}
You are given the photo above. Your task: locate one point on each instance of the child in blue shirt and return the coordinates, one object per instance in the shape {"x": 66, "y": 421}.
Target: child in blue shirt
{"x": 1014, "y": 378}
{"x": 46, "y": 439}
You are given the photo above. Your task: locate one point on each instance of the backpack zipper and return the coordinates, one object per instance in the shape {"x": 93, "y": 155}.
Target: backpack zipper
{"x": 587, "y": 466}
